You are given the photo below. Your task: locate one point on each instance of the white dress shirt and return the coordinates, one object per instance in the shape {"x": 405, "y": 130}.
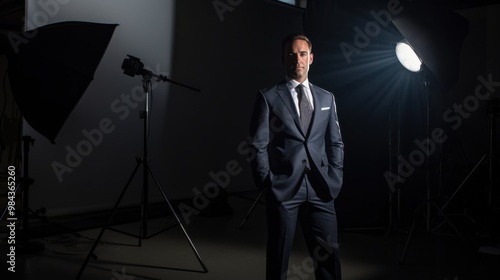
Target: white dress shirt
{"x": 292, "y": 84}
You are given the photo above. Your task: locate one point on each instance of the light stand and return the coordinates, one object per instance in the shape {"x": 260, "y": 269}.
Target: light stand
{"x": 24, "y": 186}
{"x": 413, "y": 63}
{"x": 135, "y": 66}
{"x": 436, "y": 35}
{"x": 394, "y": 154}
{"x": 427, "y": 203}
{"x": 26, "y": 182}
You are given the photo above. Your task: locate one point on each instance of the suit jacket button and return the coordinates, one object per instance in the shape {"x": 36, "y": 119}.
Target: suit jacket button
{"x": 304, "y": 161}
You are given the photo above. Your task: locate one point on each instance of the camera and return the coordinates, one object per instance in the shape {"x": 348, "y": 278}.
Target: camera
{"x": 133, "y": 66}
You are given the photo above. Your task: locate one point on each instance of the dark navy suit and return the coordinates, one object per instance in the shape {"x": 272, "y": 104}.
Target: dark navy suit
{"x": 301, "y": 173}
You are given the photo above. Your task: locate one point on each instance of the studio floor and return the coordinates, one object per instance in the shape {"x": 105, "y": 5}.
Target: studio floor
{"x": 233, "y": 253}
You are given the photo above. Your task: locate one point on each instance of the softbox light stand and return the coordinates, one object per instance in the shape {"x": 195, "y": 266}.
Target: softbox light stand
{"x": 436, "y": 35}
{"x": 50, "y": 68}
{"x": 23, "y": 186}
{"x": 146, "y": 167}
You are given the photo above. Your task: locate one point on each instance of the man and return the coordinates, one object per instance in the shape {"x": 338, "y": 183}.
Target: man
{"x": 297, "y": 158}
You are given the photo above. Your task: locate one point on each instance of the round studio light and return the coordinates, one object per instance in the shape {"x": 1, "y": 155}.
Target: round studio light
{"x": 408, "y": 57}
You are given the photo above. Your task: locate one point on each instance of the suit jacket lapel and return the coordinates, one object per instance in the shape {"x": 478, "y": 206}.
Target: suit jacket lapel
{"x": 286, "y": 97}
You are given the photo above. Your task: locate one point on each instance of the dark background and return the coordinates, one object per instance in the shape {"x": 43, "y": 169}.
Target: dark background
{"x": 382, "y": 108}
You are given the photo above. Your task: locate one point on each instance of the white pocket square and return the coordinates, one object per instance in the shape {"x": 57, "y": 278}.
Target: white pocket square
{"x": 325, "y": 108}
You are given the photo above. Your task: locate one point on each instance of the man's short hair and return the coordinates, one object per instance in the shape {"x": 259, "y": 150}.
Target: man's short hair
{"x": 295, "y": 36}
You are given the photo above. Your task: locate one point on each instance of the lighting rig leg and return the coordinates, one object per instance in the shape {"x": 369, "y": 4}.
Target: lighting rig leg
{"x": 251, "y": 209}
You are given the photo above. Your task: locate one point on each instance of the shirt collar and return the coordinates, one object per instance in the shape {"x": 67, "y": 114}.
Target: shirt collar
{"x": 291, "y": 83}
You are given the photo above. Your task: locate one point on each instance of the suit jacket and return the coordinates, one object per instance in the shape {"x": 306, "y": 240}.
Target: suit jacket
{"x": 281, "y": 150}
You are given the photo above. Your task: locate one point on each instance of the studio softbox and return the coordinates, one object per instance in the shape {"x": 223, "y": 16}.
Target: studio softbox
{"x": 51, "y": 67}
{"x": 436, "y": 35}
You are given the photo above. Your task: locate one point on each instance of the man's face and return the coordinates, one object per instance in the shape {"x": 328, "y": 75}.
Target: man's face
{"x": 297, "y": 57}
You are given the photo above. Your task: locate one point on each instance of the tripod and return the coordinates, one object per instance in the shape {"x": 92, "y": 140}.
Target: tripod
{"x": 145, "y": 162}
{"x": 492, "y": 111}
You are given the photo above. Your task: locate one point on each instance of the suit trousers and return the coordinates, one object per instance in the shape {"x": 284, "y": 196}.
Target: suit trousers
{"x": 318, "y": 221}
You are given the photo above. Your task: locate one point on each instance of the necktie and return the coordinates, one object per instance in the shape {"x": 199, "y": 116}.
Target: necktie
{"x": 304, "y": 107}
